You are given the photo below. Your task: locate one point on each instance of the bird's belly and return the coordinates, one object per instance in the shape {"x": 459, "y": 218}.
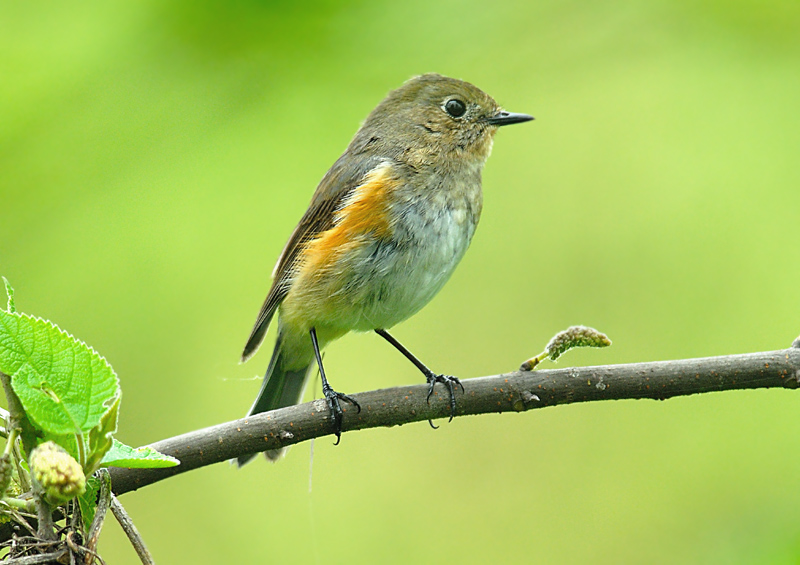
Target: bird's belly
{"x": 393, "y": 282}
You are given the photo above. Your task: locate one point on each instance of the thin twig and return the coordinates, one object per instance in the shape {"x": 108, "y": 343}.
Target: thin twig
{"x": 30, "y": 542}
{"x": 22, "y": 474}
{"x": 76, "y": 519}
{"x": 77, "y": 549}
{"x": 53, "y": 557}
{"x": 27, "y": 505}
{"x": 20, "y": 519}
{"x": 74, "y": 548}
{"x": 76, "y": 527}
{"x": 103, "y": 503}
{"x": 130, "y": 530}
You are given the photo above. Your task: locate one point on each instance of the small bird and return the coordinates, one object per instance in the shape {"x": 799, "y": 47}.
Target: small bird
{"x": 384, "y": 231}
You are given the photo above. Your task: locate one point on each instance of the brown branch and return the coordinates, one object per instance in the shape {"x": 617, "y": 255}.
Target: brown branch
{"x": 511, "y": 392}
{"x": 103, "y": 504}
{"x": 42, "y": 558}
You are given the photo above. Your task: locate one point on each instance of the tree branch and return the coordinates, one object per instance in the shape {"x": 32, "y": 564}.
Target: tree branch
{"x": 510, "y": 392}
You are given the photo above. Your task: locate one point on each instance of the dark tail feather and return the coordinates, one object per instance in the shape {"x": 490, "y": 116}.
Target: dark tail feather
{"x": 280, "y": 388}
{"x": 255, "y": 339}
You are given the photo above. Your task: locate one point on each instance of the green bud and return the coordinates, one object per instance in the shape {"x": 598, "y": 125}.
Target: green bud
{"x": 59, "y": 475}
{"x": 575, "y": 336}
{"x": 6, "y": 473}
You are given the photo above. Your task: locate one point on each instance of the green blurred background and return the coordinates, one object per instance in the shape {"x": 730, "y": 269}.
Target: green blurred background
{"x": 154, "y": 157}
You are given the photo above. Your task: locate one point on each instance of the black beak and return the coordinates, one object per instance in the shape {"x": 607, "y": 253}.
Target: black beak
{"x": 507, "y": 118}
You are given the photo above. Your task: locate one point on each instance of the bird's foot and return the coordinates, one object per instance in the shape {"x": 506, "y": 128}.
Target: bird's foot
{"x": 332, "y": 397}
{"x": 450, "y": 383}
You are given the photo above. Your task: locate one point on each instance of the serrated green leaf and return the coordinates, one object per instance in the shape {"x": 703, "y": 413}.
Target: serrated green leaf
{"x": 100, "y": 440}
{"x": 63, "y": 384}
{"x": 88, "y": 501}
{"x": 121, "y": 455}
{"x": 10, "y": 293}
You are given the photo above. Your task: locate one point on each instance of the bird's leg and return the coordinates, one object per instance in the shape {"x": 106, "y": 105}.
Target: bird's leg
{"x": 430, "y": 376}
{"x": 331, "y": 395}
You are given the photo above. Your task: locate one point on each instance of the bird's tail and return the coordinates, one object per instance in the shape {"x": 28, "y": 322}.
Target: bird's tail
{"x": 281, "y": 388}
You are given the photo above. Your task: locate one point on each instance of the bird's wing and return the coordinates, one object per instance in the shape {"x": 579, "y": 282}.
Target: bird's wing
{"x": 336, "y": 186}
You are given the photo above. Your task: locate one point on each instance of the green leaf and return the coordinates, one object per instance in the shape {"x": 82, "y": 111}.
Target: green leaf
{"x": 68, "y": 441}
{"x": 10, "y": 292}
{"x": 64, "y": 385}
{"x": 121, "y": 455}
{"x": 88, "y": 501}
{"x": 100, "y": 440}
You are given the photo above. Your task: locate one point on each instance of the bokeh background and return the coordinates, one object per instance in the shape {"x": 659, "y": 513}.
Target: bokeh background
{"x": 155, "y": 156}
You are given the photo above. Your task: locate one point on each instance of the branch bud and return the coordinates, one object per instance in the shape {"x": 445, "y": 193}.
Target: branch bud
{"x": 575, "y": 336}
{"x": 59, "y": 475}
{"x": 6, "y": 473}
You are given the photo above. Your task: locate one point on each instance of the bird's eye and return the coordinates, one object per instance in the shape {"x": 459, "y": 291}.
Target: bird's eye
{"x": 455, "y": 107}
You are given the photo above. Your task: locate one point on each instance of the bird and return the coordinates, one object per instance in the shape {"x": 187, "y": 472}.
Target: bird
{"x": 383, "y": 232}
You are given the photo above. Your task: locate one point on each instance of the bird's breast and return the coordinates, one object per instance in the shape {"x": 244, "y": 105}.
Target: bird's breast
{"x": 431, "y": 225}
{"x": 379, "y": 277}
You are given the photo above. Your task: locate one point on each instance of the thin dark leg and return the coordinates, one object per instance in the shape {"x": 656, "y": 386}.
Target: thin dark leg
{"x": 430, "y": 376}
{"x": 331, "y": 395}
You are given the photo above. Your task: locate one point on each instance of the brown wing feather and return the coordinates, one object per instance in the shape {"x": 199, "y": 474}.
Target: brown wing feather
{"x": 335, "y": 186}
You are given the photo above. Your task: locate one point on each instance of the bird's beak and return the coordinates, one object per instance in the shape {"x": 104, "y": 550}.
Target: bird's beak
{"x": 504, "y": 118}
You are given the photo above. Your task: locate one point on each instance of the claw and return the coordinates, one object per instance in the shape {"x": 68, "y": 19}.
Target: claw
{"x": 333, "y": 398}
{"x": 450, "y": 383}
{"x": 431, "y": 377}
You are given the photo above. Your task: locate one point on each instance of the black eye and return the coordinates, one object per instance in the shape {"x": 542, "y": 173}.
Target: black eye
{"x": 455, "y": 107}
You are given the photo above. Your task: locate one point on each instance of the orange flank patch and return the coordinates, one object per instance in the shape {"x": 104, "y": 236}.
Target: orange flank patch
{"x": 364, "y": 212}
